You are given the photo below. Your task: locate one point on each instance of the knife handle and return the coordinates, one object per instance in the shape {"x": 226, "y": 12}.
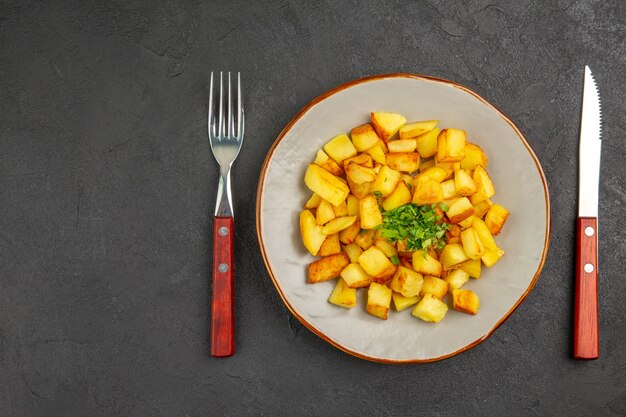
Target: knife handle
{"x": 222, "y": 316}
{"x": 586, "y": 344}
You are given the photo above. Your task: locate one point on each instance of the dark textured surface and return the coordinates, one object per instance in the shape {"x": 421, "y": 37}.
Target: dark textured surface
{"x": 107, "y": 188}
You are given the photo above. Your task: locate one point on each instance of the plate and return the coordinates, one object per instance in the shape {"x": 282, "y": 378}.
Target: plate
{"x": 520, "y": 186}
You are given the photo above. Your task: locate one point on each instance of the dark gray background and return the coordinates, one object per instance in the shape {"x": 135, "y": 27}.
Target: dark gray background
{"x": 107, "y": 189}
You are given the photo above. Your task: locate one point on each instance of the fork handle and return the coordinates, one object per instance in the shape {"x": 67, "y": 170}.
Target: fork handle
{"x": 222, "y": 316}
{"x": 586, "y": 292}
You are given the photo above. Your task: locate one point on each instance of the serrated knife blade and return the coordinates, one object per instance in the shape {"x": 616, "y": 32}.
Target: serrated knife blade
{"x": 586, "y": 340}
{"x": 589, "y": 151}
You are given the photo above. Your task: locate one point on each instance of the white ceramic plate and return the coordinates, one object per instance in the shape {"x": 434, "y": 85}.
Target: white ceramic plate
{"x": 513, "y": 167}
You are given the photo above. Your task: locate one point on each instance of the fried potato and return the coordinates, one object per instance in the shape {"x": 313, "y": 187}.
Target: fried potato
{"x": 387, "y": 124}
{"x": 343, "y": 295}
{"x": 378, "y": 300}
{"x": 326, "y": 185}
{"x": 465, "y": 301}
{"x": 327, "y": 268}
{"x": 430, "y": 309}
{"x": 311, "y": 232}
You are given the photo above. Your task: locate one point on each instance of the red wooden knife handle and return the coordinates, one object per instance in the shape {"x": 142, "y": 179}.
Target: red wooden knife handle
{"x": 222, "y": 317}
{"x": 586, "y": 344}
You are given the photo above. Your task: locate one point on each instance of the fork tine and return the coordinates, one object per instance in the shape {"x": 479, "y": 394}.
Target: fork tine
{"x": 220, "y": 131}
{"x": 211, "y": 126}
{"x": 239, "y": 111}
{"x": 230, "y": 110}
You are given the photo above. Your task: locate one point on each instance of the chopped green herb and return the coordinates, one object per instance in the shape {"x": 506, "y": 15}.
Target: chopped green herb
{"x": 377, "y": 194}
{"x": 443, "y": 206}
{"x": 395, "y": 260}
{"x": 409, "y": 185}
{"x": 415, "y": 224}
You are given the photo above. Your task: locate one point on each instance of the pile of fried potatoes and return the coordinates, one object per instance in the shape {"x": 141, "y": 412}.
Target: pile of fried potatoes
{"x": 383, "y": 165}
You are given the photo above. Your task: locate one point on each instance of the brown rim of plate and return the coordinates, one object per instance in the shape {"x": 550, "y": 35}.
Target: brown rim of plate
{"x": 375, "y": 78}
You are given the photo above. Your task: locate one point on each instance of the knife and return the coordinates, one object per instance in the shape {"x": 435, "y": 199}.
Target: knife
{"x": 586, "y": 342}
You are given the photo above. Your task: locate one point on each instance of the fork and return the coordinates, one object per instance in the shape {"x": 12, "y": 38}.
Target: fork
{"x": 225, "y": 137}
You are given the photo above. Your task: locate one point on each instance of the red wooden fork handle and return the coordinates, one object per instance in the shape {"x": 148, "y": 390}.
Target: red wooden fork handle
{"x": 222, "y": 317}
{"x": 586, "y": 343}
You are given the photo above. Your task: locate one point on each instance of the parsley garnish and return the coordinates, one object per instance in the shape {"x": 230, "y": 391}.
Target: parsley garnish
{"x": 415, "y": 224}
{"x": 395, "y": 260}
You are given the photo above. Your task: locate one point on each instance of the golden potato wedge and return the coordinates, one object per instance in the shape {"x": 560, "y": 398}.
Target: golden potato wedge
{"x": 436, "y": 173}
{"x": 426, "y": 144}
{"x": 426, "y": 264}
{"x": 378, "y": 152}
{"x": 426, "y": 191}
{"x": 360, "y": 190}
{"x": 341, "y": 210}
{"x": 467, "y": 223}
{"x": 451, "y": 145}
{"x": 386, "y": 181}
{"x": 369, "y": 212}
{"x": 452, "y": 255}
{"x": 495, "y": 218}
{"x": 342, "y": 295}
{"x": 448, "y": 168}
{"x": 472, "y": 246}
{"x": 407, "y": 282}
{"x": 326, "y": 185}
{"x": 399, "y": 197}
{"x": 324, "y": 213}
{"x": 375, "y": 263}
{"x": 403, "y": 161}
{"x": 387, "y": 124}
{"x": 349, "y": 234}
{"x": 330, "y": 246}
{"x": 362, "y": 159}
{"x": 492, "y": 256}
{"x": 465, "y": 301}
{"x": 378, "y": 300}
{"x": 401, "y": 302}
{"x": 311, "y": 232}
{"x": 388, "y": 249}
{"x": 474, "y": 156}
{"x": 328, "y": 267}
{"x": 448, "y": 188}
{"x": 353, "y": 205}
{"x": 426, "y": 164}
{"x": 402, "y": 145}
{"x": 430, "y": 309}
{"x": 353, "y": 251}
{"x": 484, "y": 186}
{"x": 415, "y": 129}
{"x": 434, "y": 286}
{"x": 472, "y": 267}
{"x": 460, "y": 210}
{"x": 340, "y": 147}
{"x": 480, "y": 209}
{"x": 358, "y": 174}
{"x": 484, "y": 235}
{"x": 364, "y": 137}
{"x": 338, "y": 224}
{"x": 464, "y": 183}
{"x": 457, "y": 278}
{"x": 365, "y": 239}
{"x": 355, "y": 276}
{"x": 313, "y": 202}
{"x": 325, "y": 161}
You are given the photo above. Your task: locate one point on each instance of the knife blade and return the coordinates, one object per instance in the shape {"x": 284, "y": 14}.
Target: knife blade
{"x": 586, "y": 340}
